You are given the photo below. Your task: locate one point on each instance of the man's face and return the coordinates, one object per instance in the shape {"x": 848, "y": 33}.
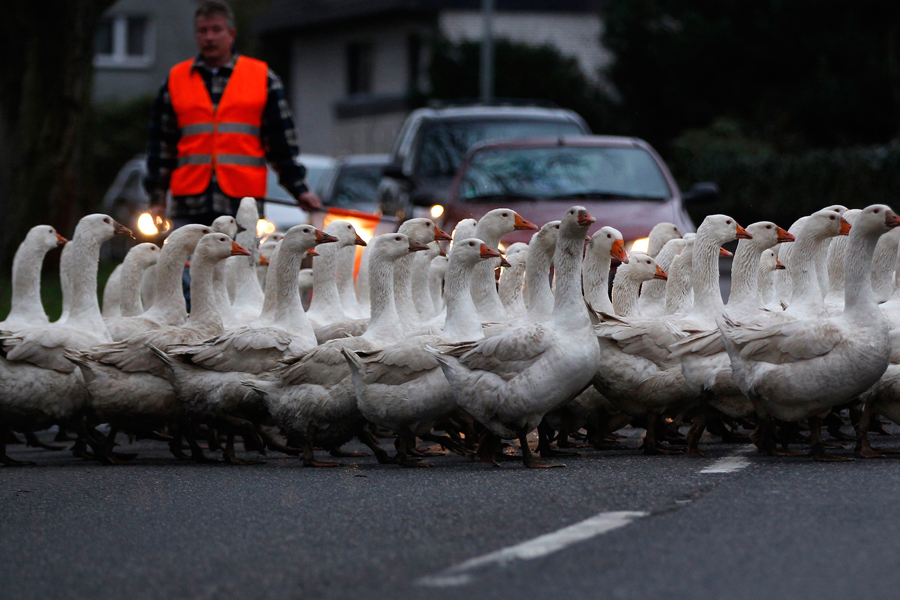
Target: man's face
{"x": 214, "y": 38}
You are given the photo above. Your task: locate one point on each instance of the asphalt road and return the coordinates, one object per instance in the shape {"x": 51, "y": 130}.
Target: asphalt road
{"x": 611, "y": 525}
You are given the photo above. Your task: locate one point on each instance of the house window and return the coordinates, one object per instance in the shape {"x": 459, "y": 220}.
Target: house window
{"x": 124, "y": 41}
{"x": 359, "y": 68}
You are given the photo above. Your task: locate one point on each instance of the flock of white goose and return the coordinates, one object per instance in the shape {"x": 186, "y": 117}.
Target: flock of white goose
{"x": 426, "y": 345}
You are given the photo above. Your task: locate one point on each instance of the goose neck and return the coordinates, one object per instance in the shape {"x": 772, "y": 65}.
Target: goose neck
{"x": 744, "y": 276}
{"x": 287, "y": 307}
{"x": 678, "y": 286}
{"x": 403, "y": 297}
{"x": 766, "y": 287}
{"x": 26, "y": 284}
{"x": 569, "y": 310}
{"x": 859, "y": 299}
{"x": 705, "y": 277}
{"x": 130, "y": 288}
{"x": 462, "y": 322}
{"x": 595, "y": 280}
{"x": 883, "y": 266}
{"x": 385, "y": 323}
{"x": 85, "y": 309}
{"x": 625, "y": 294}
{"x": 345, "y": 267}
{"x": 325, "y": 296}
{"x": 204, "y": 308}
{"x": 538, "y": 295}
{"x": 168, "y": 305}
{"x": 805, "y": 294}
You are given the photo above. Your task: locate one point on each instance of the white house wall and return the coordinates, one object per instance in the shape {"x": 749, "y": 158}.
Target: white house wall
{"x": 574, "y": 34}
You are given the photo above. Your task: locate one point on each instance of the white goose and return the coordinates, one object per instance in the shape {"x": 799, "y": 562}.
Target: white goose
{"x": 402, "y": 387}
{"x": 508, "y": 382}
{"x": 652, "y": 301}
{"x": 26, "y": 308}
{"x": 806, "y": 298}
{"x": 168, "y": 306}
{"x": 491, "y": 228}
{"x": 140, "y": 258}
{"x": 228, "y": 226}
{"x": 539, "y": 298}
{"x": 659, "y": 237}
{"x": 800, "y": 369}
{"x": 325, "y": 307}
{"x": 768, "y": 264}
{"x": 437, "y": 271}
{"x": 512, "y": 279}
{"x": 421, "y": 272}
{"x": 313, "y": 394}
{"x": 266, "y": 249}
{"x": 37, "y": 389}
{"x": 346, "y": 265}
{"x": 243, "y": 285}
{"x": 638, "y": 269}
{"x": 678, "y": 285}
{"x": 126, "y": 379}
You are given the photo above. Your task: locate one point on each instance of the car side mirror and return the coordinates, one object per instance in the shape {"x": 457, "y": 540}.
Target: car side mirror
{"x": 706, "y": 191}
{"x": 394, "y": 171}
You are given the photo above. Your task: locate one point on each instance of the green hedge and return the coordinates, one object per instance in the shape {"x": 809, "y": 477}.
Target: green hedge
{"x": 783, "y": 188}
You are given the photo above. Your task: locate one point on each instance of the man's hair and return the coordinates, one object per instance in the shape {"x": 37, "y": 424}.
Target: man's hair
{"x": 210, "y": 8}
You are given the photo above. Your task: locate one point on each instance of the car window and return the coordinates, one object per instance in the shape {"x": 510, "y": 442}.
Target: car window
{"x": 563, "y": 172}
{"x": 355, "y": 187}
{"x": 445, "y": 143}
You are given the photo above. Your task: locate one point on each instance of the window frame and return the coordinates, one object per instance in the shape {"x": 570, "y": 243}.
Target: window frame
{"x": 120, "y": 59}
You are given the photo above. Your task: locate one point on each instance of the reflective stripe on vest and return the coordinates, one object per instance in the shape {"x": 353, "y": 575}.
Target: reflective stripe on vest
{"x": 225, "y": 138}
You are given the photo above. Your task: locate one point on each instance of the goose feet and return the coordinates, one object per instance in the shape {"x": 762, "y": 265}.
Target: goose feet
{"x": 528, "y": 458}
{"x": 309, "y": 457}
{"x": 338, "y": 453}
{"x": 369, "y": 440}
{"x": 489, "y": 446}
{"x": 818, "y": 448}
{"x": 11, "y": 462}
{"x": 448, "y": 443}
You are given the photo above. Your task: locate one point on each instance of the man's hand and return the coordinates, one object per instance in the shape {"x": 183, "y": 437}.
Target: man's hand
{"x": 158, "y": 211}
{"x": 309, "y": 202}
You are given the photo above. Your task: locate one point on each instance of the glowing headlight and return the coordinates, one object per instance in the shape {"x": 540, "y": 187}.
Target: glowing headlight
{"x": 639, "y": 245}
{"x": 148, "y": 225}
{"x": 264, "y": 227}
{"x": 436, "y": 211}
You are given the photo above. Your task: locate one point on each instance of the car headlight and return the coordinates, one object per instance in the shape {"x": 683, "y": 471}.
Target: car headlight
{"x": 436, "y": 211}
{"x": 149, "y": 225}
{"x": 264, "y": 227}
{"x": 638, "y": 245}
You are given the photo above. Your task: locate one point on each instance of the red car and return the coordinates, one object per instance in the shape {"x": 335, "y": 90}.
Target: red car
{"x": 622, "y": 182}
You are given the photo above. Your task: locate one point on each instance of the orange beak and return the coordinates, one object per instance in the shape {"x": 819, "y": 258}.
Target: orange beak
{"x": 503, "y": 262}
{"x": 660, "y": 274}
{"x": 523, "y": 224}
{"x": 238, "y": 250}
{"x": 60, "y": 241}
{"x": 416, "y": 247}
{"x": 120, "y": 229}
{"x": 584, "y": 219}
{"x": 441, "y": 236}
{"x": 741, "y": 233}
{"x": 263, "y": 261}
{"x": 359, "y": 241}
{"x": 324, "y": 238}
{"x": 845, "y": 227}
{"x": 891, "y": 220}
{"x": 488, "y": 252}
{"x": 312, "y": 252}
{"x": 618, "y": 251}
{"x": 443, "y": 252}
{"x": 784, "y": 236}
{"x": 723, "y": 253}
{"x": 779, "y": 266}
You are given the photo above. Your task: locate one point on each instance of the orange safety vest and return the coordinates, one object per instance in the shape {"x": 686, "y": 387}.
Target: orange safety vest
{"x": 226, "y": 138}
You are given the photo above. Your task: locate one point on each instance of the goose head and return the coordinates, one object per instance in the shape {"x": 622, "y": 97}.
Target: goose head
{"x": 722, "y": 229}
{"x": 345, "y": 233}
{"x": 187, "y": 236}
{"x": 439, "y": 265}
{"x": 826, "y": 223}
{"x": 393, "y": 246}
{"x": 766, "y": 234}
{"x": 609, "y": 240}
{"x": 838, "y": 208}
{"x": 660, "y": 235}
{"x": 301, "y": 238}
{"x": 247, "y": 214}
{"x": 876, "y": 220}
{"x": 575, "y": 222}
{"x": 464, "y": 229}
{"x": 470, "y": 252}
{"x": 225, "y": 224}
{"x": 768, "y": 262}
{"x": 44, "y": 237}
{"x": 145, "y": 254}
{"x": 545, "y": 238}
{"x": 514, "y": 249}
{"x": 501, "y": 221}
{"x": 642, "y": 267}
{"x": 218, "y": 246}
{"x": 99, "y": 228}
{"x": 423, "y": 231}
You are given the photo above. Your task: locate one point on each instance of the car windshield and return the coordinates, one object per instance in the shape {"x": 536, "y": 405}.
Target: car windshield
{"x": 355, "y": 188}
{"x": 563, "y": 172}
{"x": 445, "y": 143}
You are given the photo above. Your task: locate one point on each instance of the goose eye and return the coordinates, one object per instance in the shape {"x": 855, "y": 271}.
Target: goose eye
{"x": 505, "y": 214}
{"x": 205, "y": 231}
{"x": 106, "y": 220}
{"x": 768, "y": 227}
{"x": 875, "y": 211}
{"x": 397, "y": 239}
{"x": 728, "y": 222}
{"x": 831, "y": 217}
{"x": 608, "y": 236}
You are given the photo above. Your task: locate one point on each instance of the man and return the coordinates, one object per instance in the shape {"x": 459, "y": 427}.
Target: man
{"x": 216, "y": 121}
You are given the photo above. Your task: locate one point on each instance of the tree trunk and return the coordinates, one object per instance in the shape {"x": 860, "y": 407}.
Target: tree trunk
{"x": 45, "y": 112}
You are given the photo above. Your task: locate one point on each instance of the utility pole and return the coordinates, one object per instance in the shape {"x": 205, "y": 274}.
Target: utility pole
{"x": 487, "y": 52}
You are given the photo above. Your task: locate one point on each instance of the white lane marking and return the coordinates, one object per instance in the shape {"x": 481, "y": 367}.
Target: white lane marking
{"x": 536, "y": 548}
{"x": 730, "y": 464}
